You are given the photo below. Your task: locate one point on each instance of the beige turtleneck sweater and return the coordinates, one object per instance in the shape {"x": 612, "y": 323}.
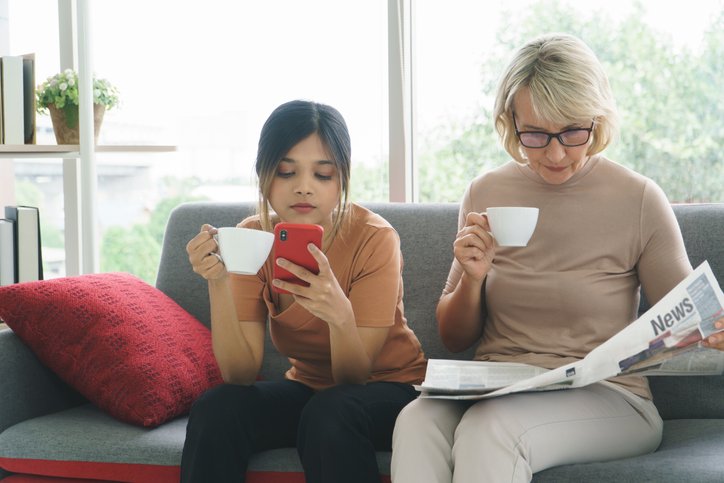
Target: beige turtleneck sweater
{"x": 599, "y": 236}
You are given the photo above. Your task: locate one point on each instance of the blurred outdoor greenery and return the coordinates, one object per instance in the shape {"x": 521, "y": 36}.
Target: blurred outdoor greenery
{"x": 670, "y": 100}
{"x": 672, "y": 129}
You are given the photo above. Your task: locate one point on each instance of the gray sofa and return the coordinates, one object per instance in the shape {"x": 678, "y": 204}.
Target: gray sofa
{"x": 41, "y": 418}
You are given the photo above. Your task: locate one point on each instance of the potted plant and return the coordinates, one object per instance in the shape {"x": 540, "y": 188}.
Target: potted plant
{"x": 59, "y": 95}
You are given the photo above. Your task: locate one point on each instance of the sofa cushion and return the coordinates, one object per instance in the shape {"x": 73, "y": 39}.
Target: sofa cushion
{"x": 84, "y": 442}
{"x": 691, "y": 451}
{"x": 123, "y": 344}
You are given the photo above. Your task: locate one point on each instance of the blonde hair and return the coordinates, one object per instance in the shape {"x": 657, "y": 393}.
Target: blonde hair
{"x": 566, "y": 82}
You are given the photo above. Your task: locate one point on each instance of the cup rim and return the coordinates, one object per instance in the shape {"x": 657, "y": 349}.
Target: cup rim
{"x": 513, "y": 208}
{"x": 227, "y": 228}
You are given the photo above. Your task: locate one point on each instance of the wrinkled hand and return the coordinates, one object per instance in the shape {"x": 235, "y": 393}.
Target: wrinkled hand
{"x": 204, "y": 254}
{"x": 716, "y": 341}
{"x": 324, "y": 298}
{"x": 474, "y": 246}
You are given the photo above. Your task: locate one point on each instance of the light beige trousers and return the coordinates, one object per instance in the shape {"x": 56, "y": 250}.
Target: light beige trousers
{"x": 509, "y": 438}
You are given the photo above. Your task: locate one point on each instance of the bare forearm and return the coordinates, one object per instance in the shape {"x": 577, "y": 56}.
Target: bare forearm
{"x": 350, "y": 361}
{"x": 460, "y": 315}
{"x": 234, "y": 354}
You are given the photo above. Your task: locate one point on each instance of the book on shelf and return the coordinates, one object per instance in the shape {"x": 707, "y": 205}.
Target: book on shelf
{"x": 7, "y": 252}
{"x": 12, "y": 99}
{"x": 2, "y": 107}
{"x": 29, "y": 98}
{"x": 17, "y": 102}
{"x": 28, "y": 251}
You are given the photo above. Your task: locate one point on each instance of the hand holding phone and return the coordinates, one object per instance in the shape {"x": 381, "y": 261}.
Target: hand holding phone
{"x": 290, "y": 242}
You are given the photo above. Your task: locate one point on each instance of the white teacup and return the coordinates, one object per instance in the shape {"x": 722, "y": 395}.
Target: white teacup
{"x": 512, "y": 226}
{"x": 243, "y": 250}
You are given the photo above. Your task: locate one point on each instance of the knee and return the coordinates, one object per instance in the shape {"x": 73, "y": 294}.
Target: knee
{"x": 414, "y": 417}
{"x": 220, "y": 405}
{"x": 409, "y": 425}
{"x": 334, "y": 421}
{"x": 425, "y": 420}
{"x": 418, "y": 408}
{"x": 331, "y": 411}
{"x": 423, "y": 438}
{"x": 490, "y": 422}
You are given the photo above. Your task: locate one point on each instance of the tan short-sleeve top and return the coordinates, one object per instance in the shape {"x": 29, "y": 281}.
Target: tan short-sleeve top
{"x": 366, "y": 260}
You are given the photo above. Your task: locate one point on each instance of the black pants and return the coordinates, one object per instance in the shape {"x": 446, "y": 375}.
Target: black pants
{"x": 336, "y": 431}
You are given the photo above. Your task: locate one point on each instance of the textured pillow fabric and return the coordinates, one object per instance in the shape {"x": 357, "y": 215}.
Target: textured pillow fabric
{"x": 123, "y": 344}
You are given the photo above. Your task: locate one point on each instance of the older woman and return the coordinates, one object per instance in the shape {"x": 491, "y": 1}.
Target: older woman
{"x": 603, "y": 232}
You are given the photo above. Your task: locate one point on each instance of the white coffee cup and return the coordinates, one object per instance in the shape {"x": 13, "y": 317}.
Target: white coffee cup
{"x": 243, "y": 250}
{"x": 512, "y": 226}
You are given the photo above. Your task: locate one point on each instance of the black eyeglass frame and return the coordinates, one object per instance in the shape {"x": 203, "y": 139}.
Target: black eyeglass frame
{"x": 553, "y": 135}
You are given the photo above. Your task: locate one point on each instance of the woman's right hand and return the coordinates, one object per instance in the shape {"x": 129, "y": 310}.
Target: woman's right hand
{"x": 203, "y": 254}
{"x": 474, "y": 247}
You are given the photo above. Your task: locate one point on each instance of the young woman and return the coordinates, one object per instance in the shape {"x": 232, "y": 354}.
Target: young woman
{"x": 353, "y": 357}
{"x": 603, "y": 232}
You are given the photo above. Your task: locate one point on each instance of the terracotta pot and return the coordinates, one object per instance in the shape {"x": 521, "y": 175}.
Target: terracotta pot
{"x": 66, "y": 130}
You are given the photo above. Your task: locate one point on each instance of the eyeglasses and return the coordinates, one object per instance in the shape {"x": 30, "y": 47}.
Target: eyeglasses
{"x": 540, "y": 139}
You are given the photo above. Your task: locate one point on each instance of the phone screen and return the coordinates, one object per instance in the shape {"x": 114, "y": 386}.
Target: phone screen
{"x": 290, "y": 242}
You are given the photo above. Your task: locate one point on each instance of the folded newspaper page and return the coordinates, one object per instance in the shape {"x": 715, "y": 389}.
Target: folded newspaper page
{"x": 474, "y": 377}
{"x": 666, "y": 340}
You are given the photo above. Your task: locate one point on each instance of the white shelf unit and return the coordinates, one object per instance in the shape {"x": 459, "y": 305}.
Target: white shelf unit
{"x": 73, "y": 150}
{"x": 79, "y": 166}
{"x": 77, "y": 260}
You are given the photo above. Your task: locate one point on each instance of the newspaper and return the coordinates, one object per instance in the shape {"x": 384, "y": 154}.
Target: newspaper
{"x": 666, "y": 340}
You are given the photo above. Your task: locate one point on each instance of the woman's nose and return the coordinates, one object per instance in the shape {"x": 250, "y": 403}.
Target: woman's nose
{"x": 304, "y": 186}
{"x": 555, "y": 151}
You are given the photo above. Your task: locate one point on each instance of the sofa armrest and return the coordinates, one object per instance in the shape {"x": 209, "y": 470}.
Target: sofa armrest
{"x": 27, "y": 388}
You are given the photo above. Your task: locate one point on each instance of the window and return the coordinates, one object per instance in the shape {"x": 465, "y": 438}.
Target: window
{"x": 663, "y": 62}
{"x": 203, "y": 76}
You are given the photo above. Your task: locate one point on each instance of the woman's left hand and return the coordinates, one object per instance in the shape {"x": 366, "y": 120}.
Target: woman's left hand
{"x": 324, "y": 297}
{"x": 716, "y": 341}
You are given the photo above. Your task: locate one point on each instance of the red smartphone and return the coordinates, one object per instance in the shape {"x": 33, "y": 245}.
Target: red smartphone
{"x": 290, "y": 242}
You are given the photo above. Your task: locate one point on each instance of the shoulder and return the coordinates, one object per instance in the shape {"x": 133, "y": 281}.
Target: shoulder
{"x": 620, "y": 173}
{"x": 626, "y": 180}
{"x": 493, "y": 184}
{"x": 365, "y": 227}
{"x": 507, "y": 171}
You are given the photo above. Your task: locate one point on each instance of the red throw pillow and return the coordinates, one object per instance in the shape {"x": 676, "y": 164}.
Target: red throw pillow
{"x": 123, "y": 344}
